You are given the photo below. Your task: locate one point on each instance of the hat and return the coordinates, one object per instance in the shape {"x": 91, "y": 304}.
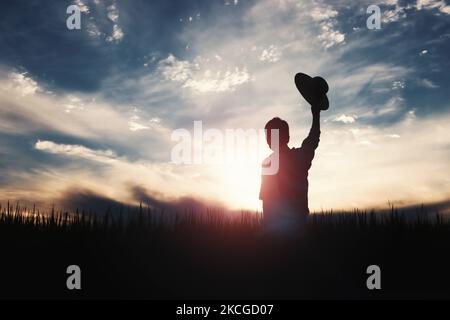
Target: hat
{"x": 314, "y": 90}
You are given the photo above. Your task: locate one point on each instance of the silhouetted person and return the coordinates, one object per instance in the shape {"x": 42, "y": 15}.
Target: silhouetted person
{"x": 285, "y": 194}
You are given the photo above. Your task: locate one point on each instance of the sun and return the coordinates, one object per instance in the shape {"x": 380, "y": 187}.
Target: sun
{"x": 241, "y": 177}
{"x": 241, "y": 182}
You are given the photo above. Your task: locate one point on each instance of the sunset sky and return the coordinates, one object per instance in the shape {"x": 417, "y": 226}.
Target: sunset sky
{"x": 89, "y": 114}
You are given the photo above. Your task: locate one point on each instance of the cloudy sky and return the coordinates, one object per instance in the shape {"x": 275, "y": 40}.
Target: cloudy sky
{"x": 91, "y": 112}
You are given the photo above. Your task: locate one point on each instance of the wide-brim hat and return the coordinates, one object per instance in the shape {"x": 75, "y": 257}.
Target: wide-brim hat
{"x": 314, "y": 90}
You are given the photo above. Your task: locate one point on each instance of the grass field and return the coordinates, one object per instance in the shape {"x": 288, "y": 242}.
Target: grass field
{"x": 140, "y": 253}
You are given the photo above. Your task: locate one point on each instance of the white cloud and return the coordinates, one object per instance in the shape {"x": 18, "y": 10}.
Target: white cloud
{"x": 117, "y": 32}
{"x": 376, "y": 163}
{"x": 399, "y": 11}
{"x": 330, "y": 37}
{"x": 117, "y": 174}
{"x": 116, "y": 35}
{"x": 74, "y": 115}
{"x": 322, "y": 13}
{"x": 394, "y": 104}
{"x": 346, "y": 118}
{"x": 22, "y": 83}
{"x": 134, "y": 125}
{"x": 379, "y": 78}
{"x": 174, "y": 69}
{"x": 104, "y": 31}
{"x": 411, "y": 114}
{"x": 222, "y": 81}
{"x": 427, "y": 84}
{"x": 73, "y": 103}
{"x": 398, "y": 84}
{"x": 195, "y": 76}
{"x": 433, "y": 4}
{"x": 83, "y": 7}
{"x": 105, "y": 156}
{"x": 445, "y": 9}
{"x": 113, "y": 13}
{"x": 325, "y": 15}
{"x": 270, "y": 54}
{"x": 93, "y": 30}
{"x": 231, "y": 2}
{"x": 394, "y": 14}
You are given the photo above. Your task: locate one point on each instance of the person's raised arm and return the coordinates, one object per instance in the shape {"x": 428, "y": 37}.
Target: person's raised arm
{"x": 312, "y": 140}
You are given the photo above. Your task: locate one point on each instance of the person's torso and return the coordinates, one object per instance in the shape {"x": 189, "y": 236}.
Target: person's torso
{"x": 290, "y": 184}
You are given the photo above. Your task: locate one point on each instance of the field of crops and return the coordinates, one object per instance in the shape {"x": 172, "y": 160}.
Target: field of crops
{"x": 148, "y": 254}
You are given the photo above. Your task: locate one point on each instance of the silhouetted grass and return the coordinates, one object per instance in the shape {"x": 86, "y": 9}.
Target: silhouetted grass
{"x": 136, "y": 252}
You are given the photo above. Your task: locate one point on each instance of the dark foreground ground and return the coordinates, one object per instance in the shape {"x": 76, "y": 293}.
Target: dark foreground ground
{"x": 214, "y": 257}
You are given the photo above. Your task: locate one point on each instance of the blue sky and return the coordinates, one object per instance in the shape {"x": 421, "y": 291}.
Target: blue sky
{"x": 94, "y": 109}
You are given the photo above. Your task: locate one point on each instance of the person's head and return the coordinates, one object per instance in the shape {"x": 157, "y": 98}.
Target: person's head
{"x": 283, "y": 131}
